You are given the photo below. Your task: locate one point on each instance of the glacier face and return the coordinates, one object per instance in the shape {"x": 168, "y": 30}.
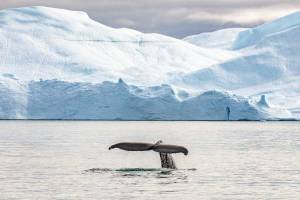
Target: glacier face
{"x": 60, "y": 64}
{"x": 53, "y": 99}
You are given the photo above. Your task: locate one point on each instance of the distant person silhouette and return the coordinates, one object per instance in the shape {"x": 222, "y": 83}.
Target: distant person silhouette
{"x": 228, "y": 112}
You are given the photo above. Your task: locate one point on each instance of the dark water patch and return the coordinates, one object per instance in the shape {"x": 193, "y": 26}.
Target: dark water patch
{"x": 160, "y": 170}
{"x": 129, "y": 175}
{"x": 138, "y": 170}
{"x": 99, "y": 170}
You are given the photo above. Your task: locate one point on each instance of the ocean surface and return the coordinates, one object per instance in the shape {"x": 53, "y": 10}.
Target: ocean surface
{"x": 69, "y": 160}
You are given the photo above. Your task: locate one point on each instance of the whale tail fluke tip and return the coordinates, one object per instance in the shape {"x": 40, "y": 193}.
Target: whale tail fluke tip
{"x": 185, "y": 152}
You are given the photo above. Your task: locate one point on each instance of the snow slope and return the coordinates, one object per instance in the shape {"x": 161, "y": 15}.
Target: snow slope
{"x": 68, "y": 45}
{"x": 269, "y": 63}
{"x": 60, "y": 64}
{"x": 221, "y": 39}
{"x": 256, "y": 35}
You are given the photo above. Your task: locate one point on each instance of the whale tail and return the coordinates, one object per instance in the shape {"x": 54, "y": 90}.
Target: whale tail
{"x": 165, "y": 150}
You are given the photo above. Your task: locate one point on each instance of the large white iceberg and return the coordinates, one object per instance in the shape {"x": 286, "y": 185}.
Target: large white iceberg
{"x": 60, "y": 64}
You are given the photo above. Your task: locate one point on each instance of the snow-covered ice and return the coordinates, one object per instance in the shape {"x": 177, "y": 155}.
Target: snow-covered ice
{"x": 60, "y": 64}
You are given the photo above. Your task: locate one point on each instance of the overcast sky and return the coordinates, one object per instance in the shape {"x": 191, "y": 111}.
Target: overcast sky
{"x": 177, "y": 18}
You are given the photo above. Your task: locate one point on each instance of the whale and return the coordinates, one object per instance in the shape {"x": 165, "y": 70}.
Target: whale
{"x": 164, "y": 150}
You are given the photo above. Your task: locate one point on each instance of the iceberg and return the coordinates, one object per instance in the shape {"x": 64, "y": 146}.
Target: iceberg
{"x": 60, "y": 64}
{"x": 54, "y": 99}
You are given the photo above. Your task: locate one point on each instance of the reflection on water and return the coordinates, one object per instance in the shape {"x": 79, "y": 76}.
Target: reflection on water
{"x": 178, "y": 174}
{"x": 157, "y": 176}
{"x": 161, "y": 170}
{"x": 227, "y": 160}
{"x": 99, "y": 170}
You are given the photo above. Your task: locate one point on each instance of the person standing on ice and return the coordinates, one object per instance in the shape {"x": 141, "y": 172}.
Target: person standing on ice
{"x": 228, "y": 112}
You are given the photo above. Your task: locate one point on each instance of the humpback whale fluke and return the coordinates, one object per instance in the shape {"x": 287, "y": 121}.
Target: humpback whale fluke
{"x": 164, "y": 150}
{"x": 167, "y": 148}
{"x": 132, "y": 146}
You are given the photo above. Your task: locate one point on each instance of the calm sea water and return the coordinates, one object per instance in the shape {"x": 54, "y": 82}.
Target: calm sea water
{"x": 70, "y": 160}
